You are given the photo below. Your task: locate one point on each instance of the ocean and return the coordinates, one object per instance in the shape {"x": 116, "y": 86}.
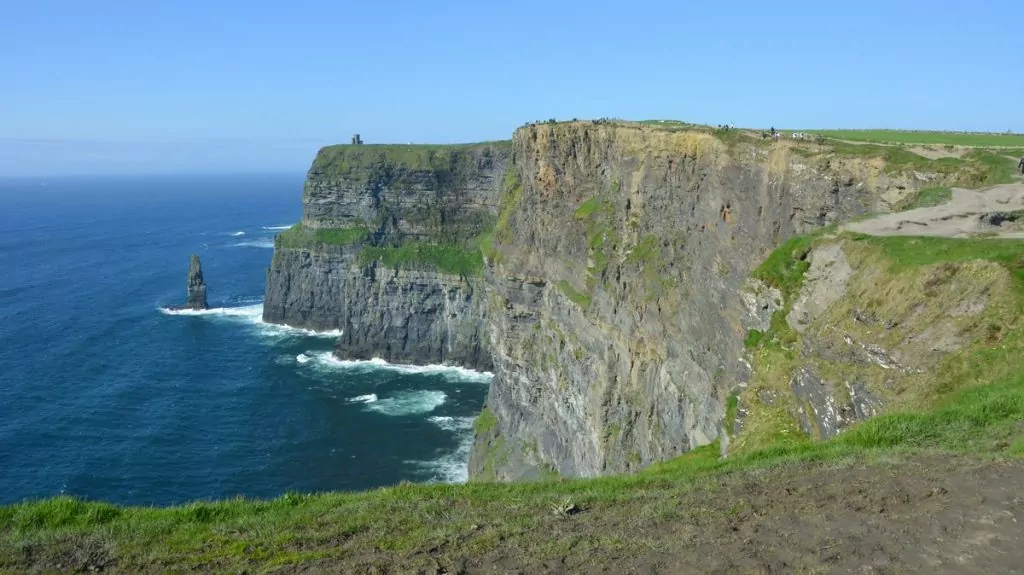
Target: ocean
{"x": 107, "y": 395}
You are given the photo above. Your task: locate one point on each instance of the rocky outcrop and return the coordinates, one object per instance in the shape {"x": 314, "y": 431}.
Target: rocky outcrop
{"x": 196, "y": 285}
{"x": 388, "y": 251}
{"x": 615, "y": 309}
{"x": 862, "y": 336}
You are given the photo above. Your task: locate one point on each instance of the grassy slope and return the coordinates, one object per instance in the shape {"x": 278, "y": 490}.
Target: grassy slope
{"x": 933, "y": 138}
{"x": 410, "y": 521}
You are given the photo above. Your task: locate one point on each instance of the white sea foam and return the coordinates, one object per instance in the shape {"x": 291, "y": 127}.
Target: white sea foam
{"x": 251, "y": 312}
{"x": 452, "y": 467}
{"x": 409, "y": 402}
{"x": 276, "y": 227}
{"x": 252, "y": 315}
{"x": 449, "y": 423}
{"x": 327, "y": 359}
{"x": 302, "y": 358}
{"x": 369, "y": 398}
{"x": 265, "y": 244}
{"x": 237, "y": 234}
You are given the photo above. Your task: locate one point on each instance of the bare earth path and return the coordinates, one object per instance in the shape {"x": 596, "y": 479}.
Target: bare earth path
{"x": 928, "y": 514}
{"x": 969, "y": 212}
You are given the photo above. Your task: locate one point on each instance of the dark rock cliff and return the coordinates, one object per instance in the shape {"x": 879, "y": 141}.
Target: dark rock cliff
{"x": 388, "y": 251}
{"x": 196, "y": 285}
{"x": 615, "y": 311}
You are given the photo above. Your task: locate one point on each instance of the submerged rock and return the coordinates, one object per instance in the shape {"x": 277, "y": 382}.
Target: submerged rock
{"x": 196, "y": 285}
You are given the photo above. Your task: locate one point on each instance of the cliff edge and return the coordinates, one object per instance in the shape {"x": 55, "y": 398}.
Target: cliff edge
{"x": 388, "y": 251}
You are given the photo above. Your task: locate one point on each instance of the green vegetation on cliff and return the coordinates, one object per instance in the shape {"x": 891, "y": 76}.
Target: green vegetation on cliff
{"x": 370, "y": 159}
{"x": 929, "y": 197}
{"x": 917, "y": 281}
{"x": 298, "y": 236}
{"x": 450, "y": 259}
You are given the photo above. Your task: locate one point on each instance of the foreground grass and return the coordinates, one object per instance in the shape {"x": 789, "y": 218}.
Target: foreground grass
{"x": 464, "y": 519}
{"x": 934, "y": 138}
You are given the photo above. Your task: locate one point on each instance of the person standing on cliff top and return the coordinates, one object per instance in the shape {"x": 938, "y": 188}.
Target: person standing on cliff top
{"x": 1020, "y": 164}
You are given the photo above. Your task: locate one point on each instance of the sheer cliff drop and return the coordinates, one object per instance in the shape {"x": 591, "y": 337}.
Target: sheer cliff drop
{"x": 388, "y": 251}
{"x": 196, "y": 285}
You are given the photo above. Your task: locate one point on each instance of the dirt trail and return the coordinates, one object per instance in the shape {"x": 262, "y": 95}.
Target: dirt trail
{"x": 969, "y": 212}
{"x": 933, "y": 514}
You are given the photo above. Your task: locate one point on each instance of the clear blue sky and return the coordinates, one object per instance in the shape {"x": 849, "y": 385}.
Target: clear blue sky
{"x": 127, "y": 85}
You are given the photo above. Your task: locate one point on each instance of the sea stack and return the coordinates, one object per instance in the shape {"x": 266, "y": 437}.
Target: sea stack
{"x": 196, "y": 285}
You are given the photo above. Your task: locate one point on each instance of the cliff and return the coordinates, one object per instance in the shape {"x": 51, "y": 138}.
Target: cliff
{"x": 616, "y": 305}
{"x": 603, "y": 271}
{"x": 388, "y": 251}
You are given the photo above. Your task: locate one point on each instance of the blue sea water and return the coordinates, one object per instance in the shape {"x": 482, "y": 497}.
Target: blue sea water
{"x": 105, "y": 395}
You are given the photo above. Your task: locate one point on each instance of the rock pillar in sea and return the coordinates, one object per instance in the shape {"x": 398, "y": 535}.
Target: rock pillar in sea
{"x": 196, "y": 285}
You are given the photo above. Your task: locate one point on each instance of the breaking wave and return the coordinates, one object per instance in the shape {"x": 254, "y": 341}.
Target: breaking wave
{"x": 409, "y": 402}
{"x": 452, "y": 467}
{"x": 276, "y": 227}
{"x": 327, "y": 359}
{"x": 253, "y": 316}
{"x": 265, "y": 244}
{"x": 237, "y": 234}
{"x": 368, "y": 398}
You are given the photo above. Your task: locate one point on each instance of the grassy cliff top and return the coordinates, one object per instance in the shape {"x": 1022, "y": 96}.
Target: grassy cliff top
{"x": 961, "y": 159}
{"x": 908, "y": 137}
{"x": 345, "y": 158}
{"x": 968, "y": 139}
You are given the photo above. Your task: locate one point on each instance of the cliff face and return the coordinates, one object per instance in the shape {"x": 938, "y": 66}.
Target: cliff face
{"x": 615, "y": 309}
{"x": 388, "y": 251}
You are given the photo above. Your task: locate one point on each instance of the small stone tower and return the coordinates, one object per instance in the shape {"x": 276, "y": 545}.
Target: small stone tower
{"x": 196, "y": 285}
{"x": 356, "y": 140}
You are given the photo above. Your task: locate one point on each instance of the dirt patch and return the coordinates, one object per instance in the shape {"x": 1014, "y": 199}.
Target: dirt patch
{"x": 932, "y": 514}
{"x": 969, "y": 212}
{"x": 937, "y": 152}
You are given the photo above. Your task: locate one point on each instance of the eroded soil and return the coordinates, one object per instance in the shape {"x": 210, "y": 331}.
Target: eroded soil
{"x": 928, "y": 515}
{"x": 994, "y": 211}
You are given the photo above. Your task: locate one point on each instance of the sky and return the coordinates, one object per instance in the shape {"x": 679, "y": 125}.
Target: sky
{"x": 123, "y": 86}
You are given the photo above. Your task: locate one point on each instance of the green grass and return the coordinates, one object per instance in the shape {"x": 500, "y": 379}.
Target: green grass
{"x": 590, "y": 207}
{"x": 929, "y": 197}
{"x": 511, "y": 197}
{"x": 349, "y": 160}
{"x": 299, "y": 237}
{"x": 784, "y": 269}
{"x": 582, "y": 300}
{"x": 753, "y": 338}
{"x": 905, "y": 251}
{"x": 485, "y": 422}
{"x": 452, "y": 259}
{"x": 933, "y": 138}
